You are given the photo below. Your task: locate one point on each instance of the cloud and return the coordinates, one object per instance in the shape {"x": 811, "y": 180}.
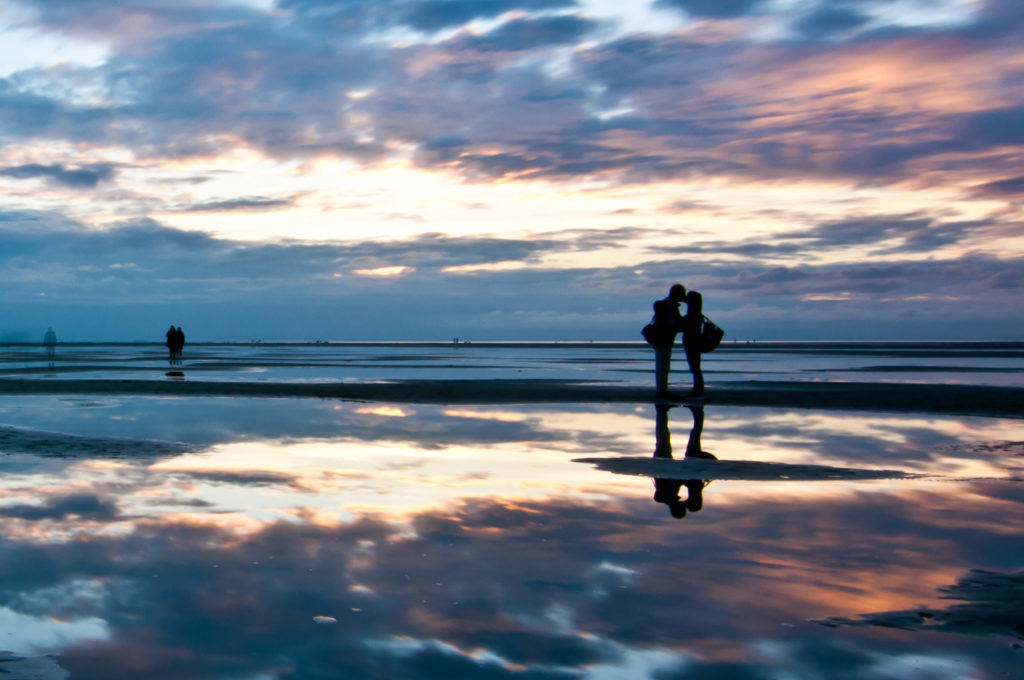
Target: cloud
{"x": 433, "y": 15}
{"x": 127, "y": 280}
{"x": 526, "y": 34}
{"x": 914, "y": 233}
{"x": 82, "y": 177}
{"x": 1013, "y": 187}
{"x": 540, "y": 91}
{"x": 718, "y": 9}
{"x": 252, "y": 204}
{"x": 877, "y": 234}
{"x": 997, "y": 127}
{"x": 829, "y": 19}
{"x": 192, "y": 80}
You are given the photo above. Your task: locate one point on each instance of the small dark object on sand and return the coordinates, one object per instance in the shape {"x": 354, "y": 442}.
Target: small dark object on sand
{"x": 174, "y": 374}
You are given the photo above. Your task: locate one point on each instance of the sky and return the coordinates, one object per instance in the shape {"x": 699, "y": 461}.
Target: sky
{"x": 510, "y": 169}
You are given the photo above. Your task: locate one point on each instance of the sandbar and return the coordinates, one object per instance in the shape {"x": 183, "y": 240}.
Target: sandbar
{"x": 57, "y": 444}
{"x": 908, "y": 398}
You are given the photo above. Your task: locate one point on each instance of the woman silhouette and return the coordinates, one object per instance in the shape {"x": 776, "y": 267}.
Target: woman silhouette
{"x": 693, "y": 324}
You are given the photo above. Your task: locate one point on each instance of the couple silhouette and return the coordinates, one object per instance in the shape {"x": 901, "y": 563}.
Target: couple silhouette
{"x": 667, "y": 323}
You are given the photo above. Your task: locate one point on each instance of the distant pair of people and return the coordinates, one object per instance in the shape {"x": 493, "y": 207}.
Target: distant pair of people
{"x": 668, "y": 322}
{"x": 175, "y": 342}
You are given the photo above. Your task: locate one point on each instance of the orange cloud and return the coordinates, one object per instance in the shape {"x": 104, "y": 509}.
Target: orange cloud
{"x": 397, "y": 270}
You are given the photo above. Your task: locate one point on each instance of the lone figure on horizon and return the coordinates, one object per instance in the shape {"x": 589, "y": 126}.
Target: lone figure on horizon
{"x": 50, "y": 341}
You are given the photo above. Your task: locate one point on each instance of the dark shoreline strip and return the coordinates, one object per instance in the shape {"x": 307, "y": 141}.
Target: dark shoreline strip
{"x": 937, "y": 399}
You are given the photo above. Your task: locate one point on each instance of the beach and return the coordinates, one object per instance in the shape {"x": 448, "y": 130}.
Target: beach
{"x": 946, "y": 399}
{"x": 511, "y": 510}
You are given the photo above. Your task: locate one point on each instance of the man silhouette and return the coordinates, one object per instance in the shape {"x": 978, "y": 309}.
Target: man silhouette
{"x": 171, "y": 341}
{"x": 667, "y": 322}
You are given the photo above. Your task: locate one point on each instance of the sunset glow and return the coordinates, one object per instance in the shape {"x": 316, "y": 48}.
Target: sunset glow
{"x": 465, "y": 164}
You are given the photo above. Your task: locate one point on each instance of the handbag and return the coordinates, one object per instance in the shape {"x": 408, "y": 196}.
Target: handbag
{"x": 710, "y": 336}
{"x": 654, "y": 335}
{"x": 651, "y": 334}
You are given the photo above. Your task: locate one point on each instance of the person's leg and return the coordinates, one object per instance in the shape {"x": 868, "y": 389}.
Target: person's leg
{"x": 662, "y": 436}
{"x": 693, "y": 359}
{"x": 662, "y": 364}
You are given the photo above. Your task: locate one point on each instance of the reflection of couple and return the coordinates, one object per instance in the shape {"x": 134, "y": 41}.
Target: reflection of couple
{"x": 667, "y": 490}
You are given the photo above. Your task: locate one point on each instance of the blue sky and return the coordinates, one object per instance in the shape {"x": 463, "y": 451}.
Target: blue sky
{"x": 510, "y": 169}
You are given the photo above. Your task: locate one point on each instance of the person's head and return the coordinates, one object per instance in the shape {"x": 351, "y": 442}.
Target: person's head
{"x": 694, "y": 300}
{"x": 677, "y": 292}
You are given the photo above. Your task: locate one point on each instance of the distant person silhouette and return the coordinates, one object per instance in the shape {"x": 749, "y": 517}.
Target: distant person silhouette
{"x": 693, "y": 324}
{"x": 667, "y": 490}
{"x": 667, "y": 322}
{"x": 50, "y": 341}
{"x": 171, "y": 341}
{"x": 179, "y": 339}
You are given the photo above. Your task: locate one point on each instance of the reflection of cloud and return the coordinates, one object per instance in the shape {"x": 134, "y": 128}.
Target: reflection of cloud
{"x": 34, "y": 667}
{"x": 994, "y": 606}
{"x": 84, "y": 506}
{"x": 60, "y": 445}
{"x": 37, "y": 634}
{"x": 386, "y": 411}
{"x": 585, "y": 579}
{"x": 491, "y": 588}
{"x": 238, "y": 477}
{"x": 504, "y": 416}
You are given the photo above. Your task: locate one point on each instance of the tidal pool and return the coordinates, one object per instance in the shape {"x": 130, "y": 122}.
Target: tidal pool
{"x": 302, "y": 538}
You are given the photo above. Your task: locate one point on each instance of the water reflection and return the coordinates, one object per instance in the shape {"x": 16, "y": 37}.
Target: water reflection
{"x": 698, "y": 467}
{"x": 667, "y": 491}
{"x": 992, "y": 604}
{"x": 465, "y": 543}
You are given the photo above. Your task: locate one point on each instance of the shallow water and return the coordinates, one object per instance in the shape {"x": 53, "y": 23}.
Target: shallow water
{"x": 629, "y": 364}
{"x": 302, "y": 538}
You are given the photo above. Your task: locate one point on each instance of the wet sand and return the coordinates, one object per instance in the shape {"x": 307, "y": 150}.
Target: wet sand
{"x": 56, "y": 444}
{"x": 740, "y": 470}
{"x": 907, "y": 398}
